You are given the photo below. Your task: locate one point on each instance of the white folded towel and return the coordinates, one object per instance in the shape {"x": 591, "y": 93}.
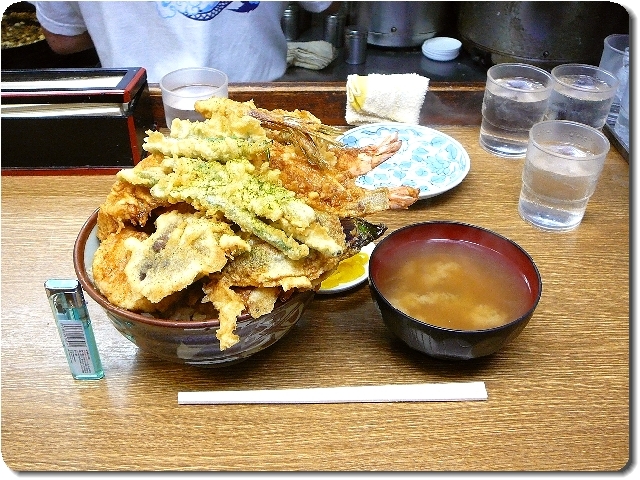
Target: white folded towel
{"x": 378, "y": 98}
{"x": 313, "y": 55}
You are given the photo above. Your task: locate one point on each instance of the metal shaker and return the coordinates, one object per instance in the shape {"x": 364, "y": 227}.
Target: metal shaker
{"x": 334, "y": 29}
{"x": 355, "y": 44}
{"x": 290, "y": 21}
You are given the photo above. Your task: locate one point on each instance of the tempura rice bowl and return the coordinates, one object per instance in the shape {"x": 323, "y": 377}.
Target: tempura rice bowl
{"x": 188, "y": 342}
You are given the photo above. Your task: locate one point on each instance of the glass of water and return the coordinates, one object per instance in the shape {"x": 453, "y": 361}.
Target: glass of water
{"x": 516, "y": 96}
{"x": 561, "y": 170}
{"x": 581, "y": 93}
{"x": 182, "y": 88}
{"x": 615, "y": 59}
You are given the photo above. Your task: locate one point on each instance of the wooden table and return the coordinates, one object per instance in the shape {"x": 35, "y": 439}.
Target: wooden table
{"x": 558, "y": 396}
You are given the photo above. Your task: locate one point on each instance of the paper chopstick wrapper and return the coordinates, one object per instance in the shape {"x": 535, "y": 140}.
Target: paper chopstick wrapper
{"x": 422, "y": 392}
{"x": 378, "y": 98}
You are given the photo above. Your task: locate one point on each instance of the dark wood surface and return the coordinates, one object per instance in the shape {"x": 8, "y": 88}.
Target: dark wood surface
{"x": 445, "y": 103}
{"x": 558, "y": 396}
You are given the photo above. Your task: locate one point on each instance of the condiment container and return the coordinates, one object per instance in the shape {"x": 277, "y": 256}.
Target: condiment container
{"x": 290, "y": 21}
{"x": 334, "y": 29}
{"x": 355, "y": 45}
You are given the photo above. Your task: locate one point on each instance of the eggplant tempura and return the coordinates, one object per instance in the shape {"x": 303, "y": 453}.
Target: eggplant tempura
{"x": 228, "y": 215}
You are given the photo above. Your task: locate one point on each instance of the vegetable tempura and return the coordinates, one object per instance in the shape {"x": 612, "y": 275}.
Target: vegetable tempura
{"x": 236, "y": 211}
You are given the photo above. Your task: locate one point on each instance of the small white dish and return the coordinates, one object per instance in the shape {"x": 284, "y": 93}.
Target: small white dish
{"x": 341, "y": 287}
{"x": 428, "y": 159}
{"x": 441, "y": 57}
{"x": 441, "y": 49}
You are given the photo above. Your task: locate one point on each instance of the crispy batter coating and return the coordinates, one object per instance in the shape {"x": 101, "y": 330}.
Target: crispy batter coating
{"x": 218, "y": 139}
{"x": 323, "y": 171}
{"x": 264, "y": 265}
{"x": 231, "y": 115}
{"x": 226, "y": 216}
{"x": 332, "y": 191}
{"x": 108, "y": 267}
{"x": 129, "y": 203}
{"x": 183, "y": 249}
{"x": 229, "y": 305}
{"x": 261, "y": 300}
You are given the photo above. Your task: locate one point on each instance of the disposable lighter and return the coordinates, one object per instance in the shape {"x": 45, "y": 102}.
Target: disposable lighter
{"x": 74, "y": 326}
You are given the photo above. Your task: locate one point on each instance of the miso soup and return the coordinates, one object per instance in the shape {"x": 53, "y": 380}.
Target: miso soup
{"x": 456, "y": 284}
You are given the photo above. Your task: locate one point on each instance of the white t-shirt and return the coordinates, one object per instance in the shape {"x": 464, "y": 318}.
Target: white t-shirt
{"x": 243, "y": 39}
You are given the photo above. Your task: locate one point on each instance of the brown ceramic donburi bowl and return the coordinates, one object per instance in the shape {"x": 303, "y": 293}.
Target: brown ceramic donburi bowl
{"x": 438, "y": 341}
{"x": 190, "y": 342}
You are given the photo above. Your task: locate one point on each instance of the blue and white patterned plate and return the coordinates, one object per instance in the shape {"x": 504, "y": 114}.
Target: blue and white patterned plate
{"x": 428, "y": 159}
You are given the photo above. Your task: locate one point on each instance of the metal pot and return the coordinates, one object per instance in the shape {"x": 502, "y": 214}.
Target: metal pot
{"x": 402, "y": 24}
{"x": 545, "y": 34}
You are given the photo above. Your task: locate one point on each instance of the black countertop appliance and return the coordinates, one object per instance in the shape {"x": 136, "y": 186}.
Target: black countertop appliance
{"x": 545, "y": 34}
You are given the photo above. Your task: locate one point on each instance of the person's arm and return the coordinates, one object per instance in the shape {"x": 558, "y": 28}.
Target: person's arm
{"x": 64, "y": 45}
{"x": 324, "y": 7}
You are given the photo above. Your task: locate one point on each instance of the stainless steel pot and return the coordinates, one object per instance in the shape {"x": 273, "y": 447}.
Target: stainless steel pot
{"x": 545, "y": 34}
{"x": 402, "y": 24}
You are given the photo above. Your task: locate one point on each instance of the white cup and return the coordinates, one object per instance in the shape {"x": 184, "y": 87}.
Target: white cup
{"x": 182, "y": 88}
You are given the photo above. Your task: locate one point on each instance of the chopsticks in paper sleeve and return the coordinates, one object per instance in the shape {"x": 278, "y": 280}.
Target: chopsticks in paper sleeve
{"x": 422, "y": 392}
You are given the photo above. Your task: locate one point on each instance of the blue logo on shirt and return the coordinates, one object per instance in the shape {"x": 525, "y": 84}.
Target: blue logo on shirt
{"x": 201, "y": 11}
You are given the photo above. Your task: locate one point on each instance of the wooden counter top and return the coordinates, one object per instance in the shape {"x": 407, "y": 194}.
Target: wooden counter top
{"x": 558, "y": 396}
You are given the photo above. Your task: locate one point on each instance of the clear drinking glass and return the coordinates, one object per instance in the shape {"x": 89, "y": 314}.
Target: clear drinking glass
{"x": 621, "y": 126}
{"x": 516, "y": 96}
{"x": 616, "y": 46}
{"x": 182, "y": 88}
{"x": 581, "y": 93}
{"x": 561, "y": 170}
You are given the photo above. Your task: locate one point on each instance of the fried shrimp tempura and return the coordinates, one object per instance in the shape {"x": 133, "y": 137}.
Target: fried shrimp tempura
{"x": 314, "y": 165}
